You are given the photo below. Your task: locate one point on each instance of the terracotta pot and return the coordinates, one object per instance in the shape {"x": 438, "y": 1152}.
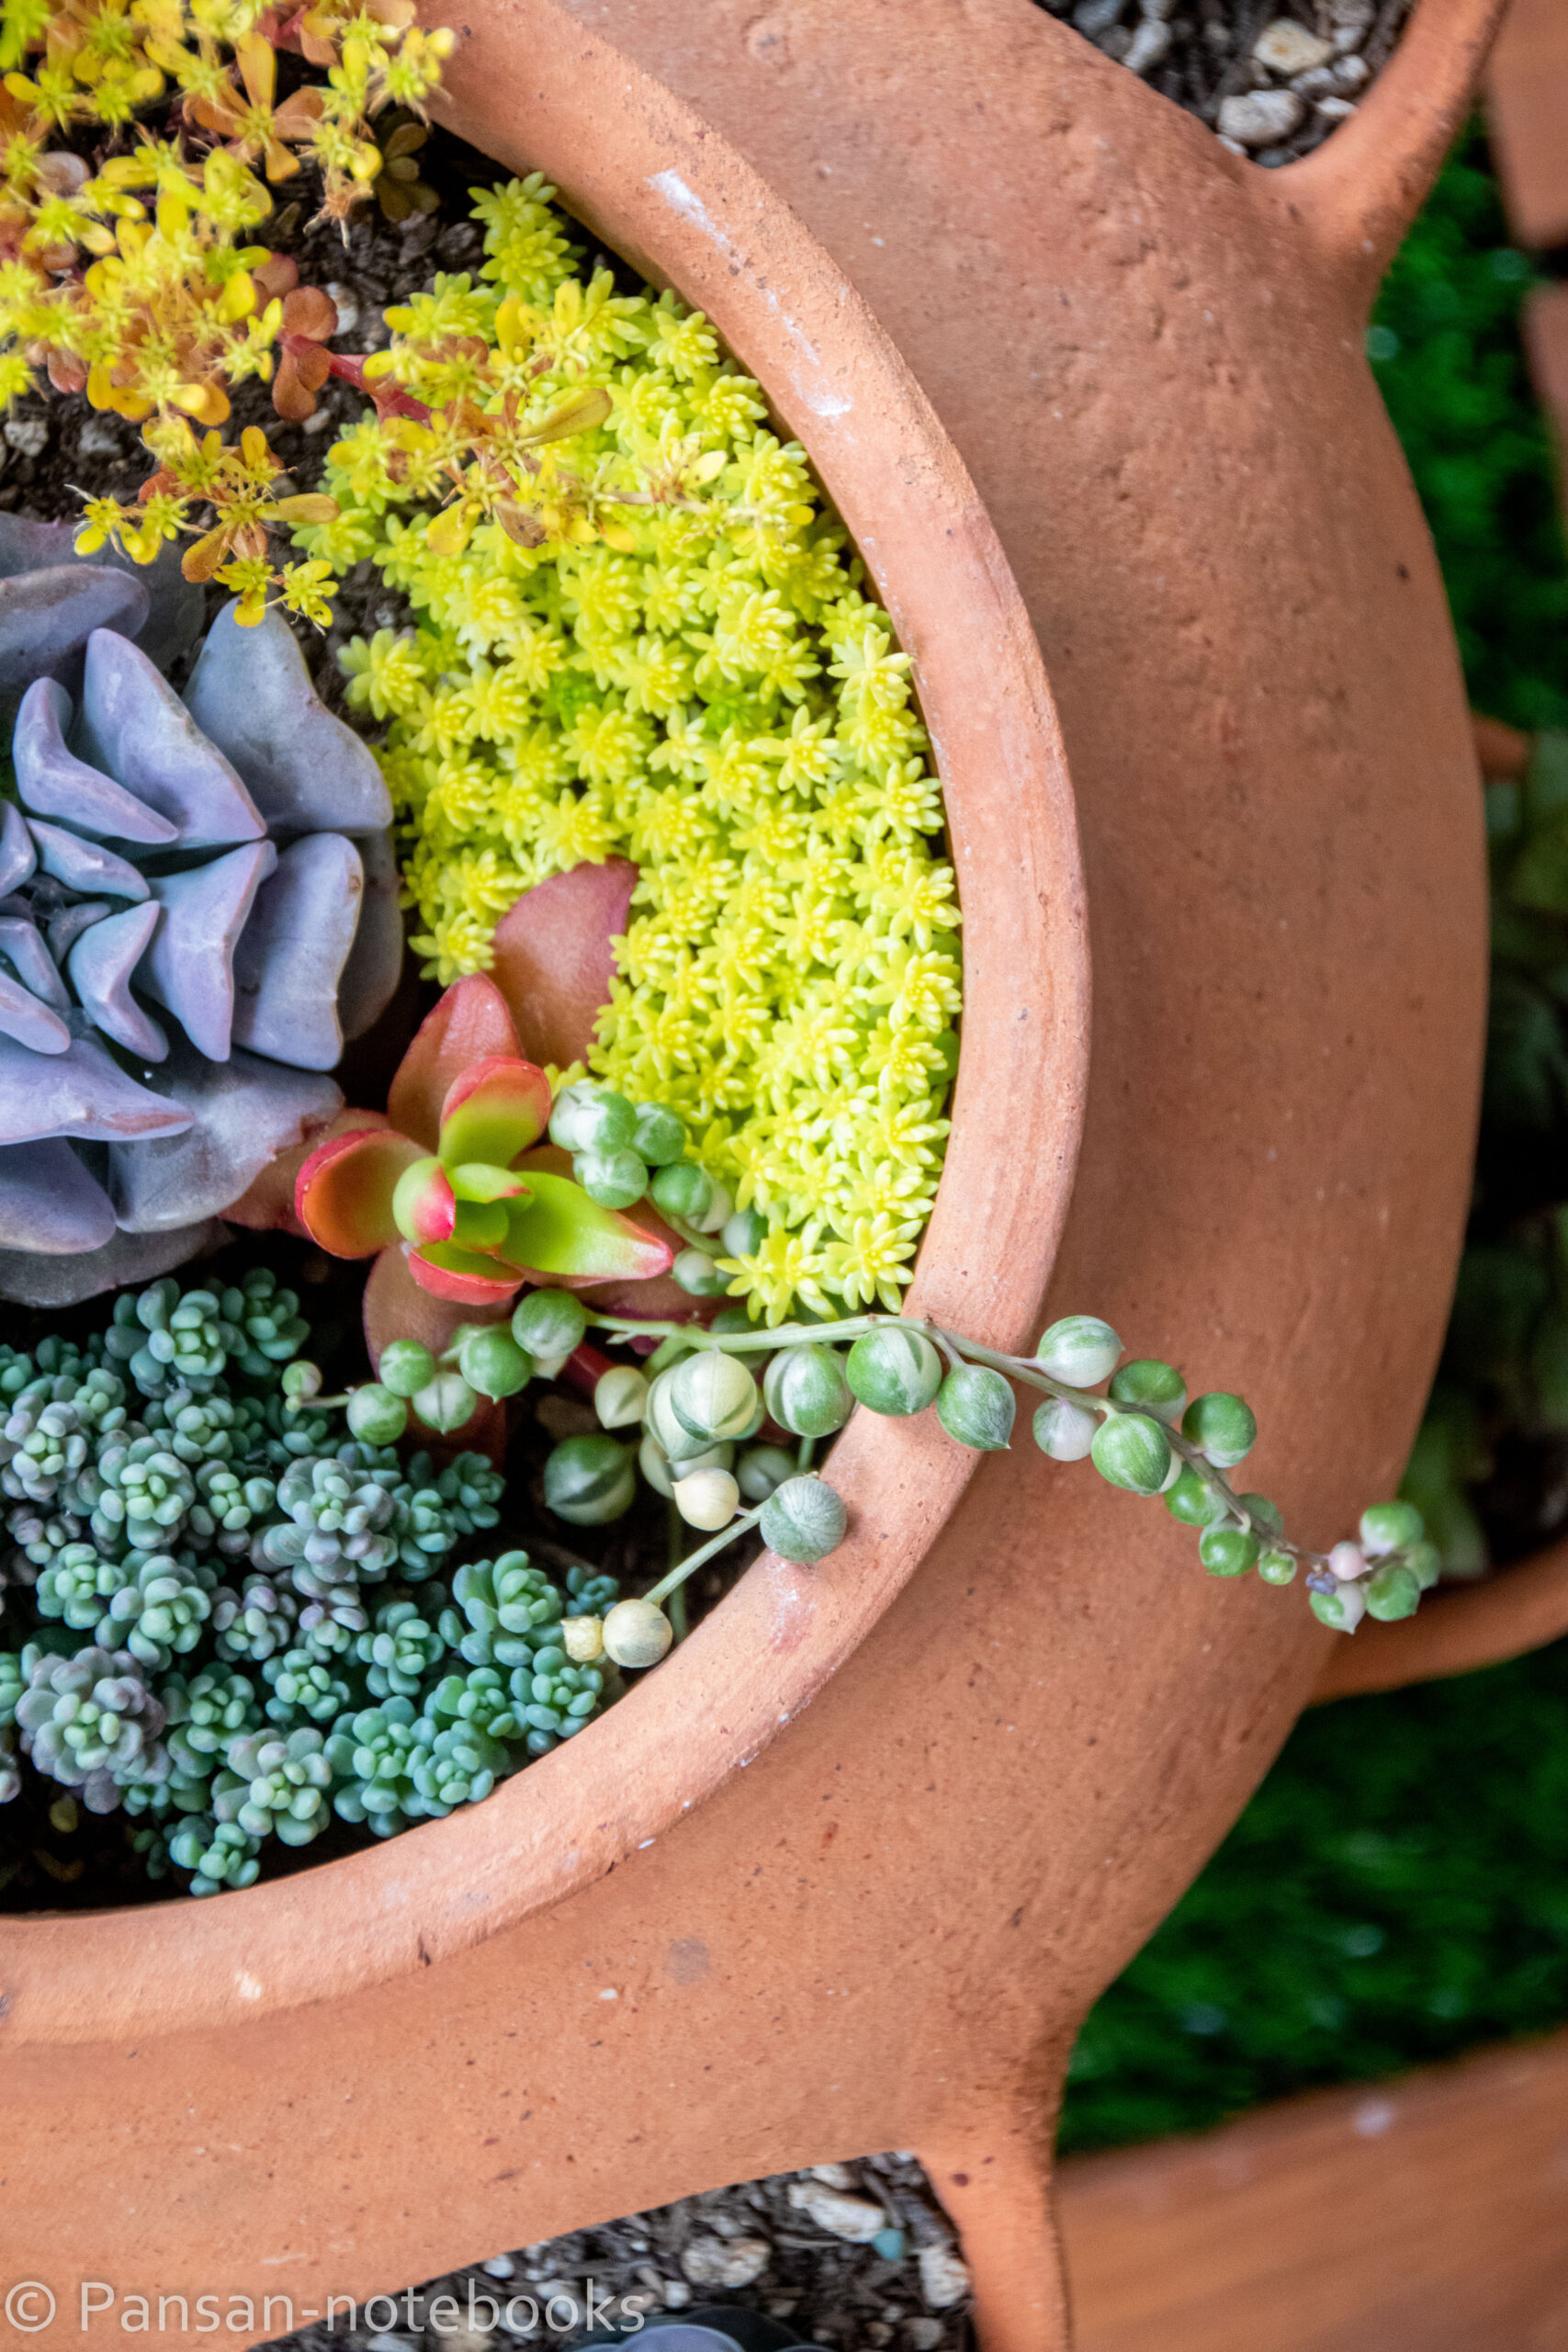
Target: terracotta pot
{"x": 1422, "y": 2213}
{"x": 718, "y": 1936}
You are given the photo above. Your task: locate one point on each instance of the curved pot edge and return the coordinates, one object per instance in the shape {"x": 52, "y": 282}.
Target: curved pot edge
{"x": 673, "y": 188}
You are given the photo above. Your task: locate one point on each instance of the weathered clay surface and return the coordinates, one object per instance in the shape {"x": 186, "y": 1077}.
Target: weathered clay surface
{"x": 884, "y": 1930}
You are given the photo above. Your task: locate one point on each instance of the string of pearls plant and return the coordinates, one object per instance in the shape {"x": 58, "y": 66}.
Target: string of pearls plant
{"x": 696, "y": 1401}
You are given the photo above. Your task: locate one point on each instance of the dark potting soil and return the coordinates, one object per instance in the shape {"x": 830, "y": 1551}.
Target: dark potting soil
{"x": 775, "y": 2239}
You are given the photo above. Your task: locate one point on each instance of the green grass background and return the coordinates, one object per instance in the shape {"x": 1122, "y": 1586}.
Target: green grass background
{"x": 1398, "y": 1888}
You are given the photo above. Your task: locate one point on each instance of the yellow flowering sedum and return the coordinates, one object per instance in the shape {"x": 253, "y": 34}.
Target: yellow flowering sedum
{"x": 687, "y": 673}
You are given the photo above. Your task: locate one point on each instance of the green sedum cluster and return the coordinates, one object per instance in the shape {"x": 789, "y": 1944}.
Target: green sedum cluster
{"x": 230, "y": 1626}
{"x": 705, "y": 689}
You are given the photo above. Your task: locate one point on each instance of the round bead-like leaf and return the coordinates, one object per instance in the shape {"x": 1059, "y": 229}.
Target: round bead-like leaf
{"x": 975, "y": 1405}
{"x": 803, "y": 1520}
{"x": 893, "y": 1370}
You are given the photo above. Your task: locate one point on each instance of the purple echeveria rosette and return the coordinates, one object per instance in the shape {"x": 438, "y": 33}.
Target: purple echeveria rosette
{"x": 197, "y": 906}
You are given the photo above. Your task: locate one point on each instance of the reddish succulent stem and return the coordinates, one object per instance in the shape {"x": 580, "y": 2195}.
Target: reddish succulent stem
{"x": 585, "y": 1368}
{"x": 390, "y": 398}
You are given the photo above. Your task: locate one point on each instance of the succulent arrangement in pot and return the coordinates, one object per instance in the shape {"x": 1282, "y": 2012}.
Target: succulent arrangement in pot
{"x": 654, "y": 753}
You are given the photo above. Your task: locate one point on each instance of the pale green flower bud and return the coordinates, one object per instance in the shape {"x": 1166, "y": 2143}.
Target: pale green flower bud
{"x": 612, "y": 1180}
{"x": 1155, "y": 1388}
{"x": 445, "y": 1403}
{"x": 744, "y": 1232}
{"x": 708, "y": 1499}
{"x": 1080, "y": 1350}
{"x": 1343, "y": 1609}
{"x": 1390, "y": 1527}
{"x": 803, "y": 1520}
{"x": 492, "y": 1361}
{"x": 1063, "y": 1432}
{"x": 405, "y": 1367}
{"x": 1227, "y": 1551}
{"x": 893, "y": 1370}
{"x": 376, "y": 1415}
{"x": 620, "y": 1397}
{"x": 975, "y": 1405}
{"x": 713, "y": 1397}
{"x": 548, "y": 1323}
{"x": 1393, "y": 1591}
{"x": 659, "y": 1137}
{"x": 582, "y": 1639}
{"x": 1134, "y": 1452}
{"x": 590, "y": 1480}
{"x": 762, "y": 1469}
{"x": 698, "y": 1275}
{"x": 683, "y": 1190}
{"x": 1222, "y": 1426}
{"x": 804, "y": 1391}
{"x": 1276, "y": 1567}
{"x": 637, "y": 1633}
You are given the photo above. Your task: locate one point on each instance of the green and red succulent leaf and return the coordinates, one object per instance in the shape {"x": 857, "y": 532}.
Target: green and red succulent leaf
{"x": 470, "y": 1024}
{"x": 494, "y": 1110}
{"x": 560, "y": 1232}
{"x": 463, "y": 1276}
{"x": 424, "y": 1205}
{"x": 344, "y": 1192}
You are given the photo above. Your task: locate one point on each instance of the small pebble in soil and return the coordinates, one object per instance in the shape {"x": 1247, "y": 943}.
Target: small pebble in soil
{"x": 833, "y": 2290}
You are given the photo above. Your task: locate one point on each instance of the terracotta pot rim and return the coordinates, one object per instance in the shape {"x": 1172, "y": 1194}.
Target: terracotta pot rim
{"x": 667, "y": 191}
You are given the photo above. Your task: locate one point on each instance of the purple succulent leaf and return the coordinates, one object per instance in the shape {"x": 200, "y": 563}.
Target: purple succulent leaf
{"x": 290, "y": 955}
{"x": 21, "y": 944}
{"x": 133, "y": 726}
{"x": 376, "y": 960}
{"x": 83, "y": 1092}
{"x": 30, "y": 1278}
{"x": 101, "y": 964}
{"x": 67, "y": 928}
{"x": 46, "y": 617}
{"x": 18, "y": 858}
{"x": 189, "y": 967}
{"x": 83, "y": 865}
{"x": 52, "y": 782}
{"x": 250, "y": 694}
{"x": 50, "y": 1202}
{"x": 30, "y": 1022}
{"x": 240, "y": 1114}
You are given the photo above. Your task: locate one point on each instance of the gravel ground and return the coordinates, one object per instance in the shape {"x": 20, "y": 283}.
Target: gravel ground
{"x": 846, "y": 2256}
{"x": 1273, "y": 82}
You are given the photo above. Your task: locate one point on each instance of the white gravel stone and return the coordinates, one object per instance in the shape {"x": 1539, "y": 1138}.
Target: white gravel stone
{"x": 1257, "y": 117}
{"x": 100, "y": 438}
{"x": 1352, "y": 73}
{"x": 923, "y": 2335}
{"x": 345, "y": 302}
{"x": 710, "y": 2262}
{"x": 835, "y": 2176}
{"x": 1287, "y": 47}
{"x": 856, "y": 2218}
{"x": 28, "y": 435}
{"x": 676, "y": 2294}
{"x": 1150, "y": 46}
{"x": 1336, "y": 109}
{"x": 501, "y": 2266}
{"x": 945, "y": 2281}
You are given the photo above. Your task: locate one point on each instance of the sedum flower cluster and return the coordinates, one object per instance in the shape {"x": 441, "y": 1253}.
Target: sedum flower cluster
{"x": 692, "y": 676}
{"x": 229, "y": 1625}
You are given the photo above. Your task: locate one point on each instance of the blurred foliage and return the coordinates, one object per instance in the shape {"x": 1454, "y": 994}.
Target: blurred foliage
{"x": 1445, "y": 345}
{"x": 1396, "y": 1891}
{"x": 1398, "y": 1888}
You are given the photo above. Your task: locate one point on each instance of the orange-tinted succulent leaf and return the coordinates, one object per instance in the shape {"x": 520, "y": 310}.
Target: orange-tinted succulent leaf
{"x": 269, "y": 1206}
{"x": 471, "y": 1024}
{"x": 559, "y": 1231}
{"x": 494, "y": 1110}
{"x": 343, "y": 1195}
{"x": 554, "y": 960}
{"x": 446, "y": 1271}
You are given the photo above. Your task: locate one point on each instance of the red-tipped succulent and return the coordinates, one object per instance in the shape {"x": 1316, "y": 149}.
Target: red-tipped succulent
{"x": 456, "y": 1182}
